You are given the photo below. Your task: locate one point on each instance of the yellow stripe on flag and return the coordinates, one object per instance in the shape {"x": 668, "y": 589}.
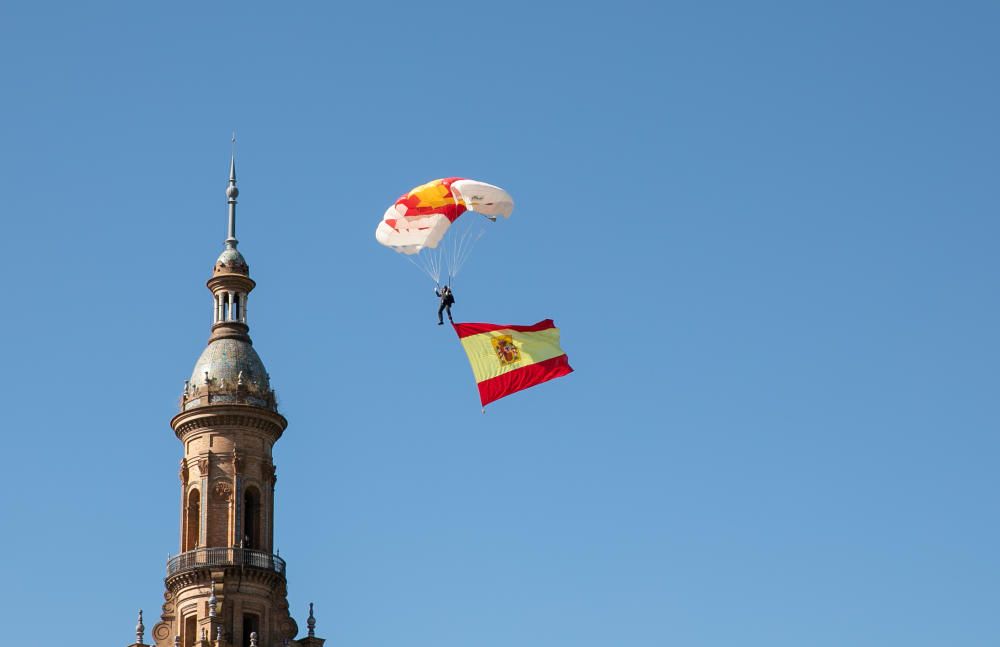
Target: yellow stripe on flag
{"x": 502, "y": 351}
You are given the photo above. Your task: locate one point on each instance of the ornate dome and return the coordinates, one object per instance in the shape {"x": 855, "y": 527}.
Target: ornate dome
{"x": 231, "y": 260}
{"x": 229, "y": 370}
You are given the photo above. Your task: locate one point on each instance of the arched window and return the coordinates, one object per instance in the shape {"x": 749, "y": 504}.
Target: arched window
{"x": 192, "y": 520}
{"x": 191, "y": 630}
{"x": 251, "y": 624}
{"x": 251, "y": 518}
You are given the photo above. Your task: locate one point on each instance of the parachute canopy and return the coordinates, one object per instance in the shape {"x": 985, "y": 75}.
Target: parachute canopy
{"x": 420, "y": 218}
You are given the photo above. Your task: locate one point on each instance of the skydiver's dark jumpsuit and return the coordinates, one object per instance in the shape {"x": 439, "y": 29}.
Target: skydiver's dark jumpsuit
{"x": 447, "y": 299}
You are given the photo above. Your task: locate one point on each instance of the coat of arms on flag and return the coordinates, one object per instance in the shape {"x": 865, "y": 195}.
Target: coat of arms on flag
{"x": 507, "y": 358}
{"x": 505, "y": 349}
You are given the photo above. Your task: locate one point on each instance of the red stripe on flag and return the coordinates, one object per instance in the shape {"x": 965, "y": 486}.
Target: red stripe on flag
{"x": 514, "y": 381}
{"x": 469, "y": 329}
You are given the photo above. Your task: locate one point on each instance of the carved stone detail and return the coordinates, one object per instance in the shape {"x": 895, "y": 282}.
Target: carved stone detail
{"x": 203, "y": 466}
{"x": 161, "y": 632}
{"x": 269, "y": 473}
{"x": 168, "y": 604}
{"x": 286, "y": 627}
{"x": 223, "y": 490}
{"x": 203, "y": 578}
{"x": 184, "y": 473}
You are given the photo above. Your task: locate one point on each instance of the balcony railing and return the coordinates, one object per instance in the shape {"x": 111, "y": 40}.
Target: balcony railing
{"x": 222, "y": 556}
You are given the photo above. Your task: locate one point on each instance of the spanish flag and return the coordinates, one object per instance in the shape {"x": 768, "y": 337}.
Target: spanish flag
{"x": 506, "y": 359}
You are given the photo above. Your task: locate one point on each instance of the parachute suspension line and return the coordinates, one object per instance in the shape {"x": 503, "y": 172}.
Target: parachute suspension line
{"x": 465, "y": 242}
{"x": 425, "y": 268}
{"x": 429, "y": 260}
{"x": 447, "y": 247}
{"x": 446, "y": 260}
{"x": 418, "y": 265}
{"x": 450, "y": 260}
{"x": 467, "y": 251}
{"x": 433, "y": 259}
{"x": 457, "y": 252}
{"x": 455, "y": 244}
{"x": 438, "y": 256}
{"x": 468, "y": 248}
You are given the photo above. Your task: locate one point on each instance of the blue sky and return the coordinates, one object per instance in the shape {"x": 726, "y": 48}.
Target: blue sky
{"x": 767, "y": 232}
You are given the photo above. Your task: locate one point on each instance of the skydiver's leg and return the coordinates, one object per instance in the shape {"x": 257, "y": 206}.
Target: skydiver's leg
{"x": 449, "y": 314}
{"x": 440, "y": 318}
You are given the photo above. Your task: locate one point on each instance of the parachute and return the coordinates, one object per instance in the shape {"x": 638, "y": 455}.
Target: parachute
{"x": 424, "y": 224}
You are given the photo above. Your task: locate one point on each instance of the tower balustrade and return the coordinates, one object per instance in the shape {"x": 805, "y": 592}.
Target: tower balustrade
{"x": 222, "y": 556}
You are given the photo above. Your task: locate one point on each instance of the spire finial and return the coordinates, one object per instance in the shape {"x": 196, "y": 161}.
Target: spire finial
{"x": 140, "y": 629}
{"x": 253, "y": 639}
{"x": 212, "y": 602}
{"x": 231, "y": 193}
{"x": 311, "y": 622}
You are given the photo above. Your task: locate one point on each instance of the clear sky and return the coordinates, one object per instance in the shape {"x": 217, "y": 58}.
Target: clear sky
{"x": 767, "y": 231}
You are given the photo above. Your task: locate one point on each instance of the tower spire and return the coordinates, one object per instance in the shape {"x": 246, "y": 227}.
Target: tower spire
{"x": 228, "y": 425}
{"x": 231, "y": 193}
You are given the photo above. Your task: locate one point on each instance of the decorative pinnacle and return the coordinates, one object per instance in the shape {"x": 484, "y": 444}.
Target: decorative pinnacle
{"x": 218, "y": 634}
{"x": 311, "y": 622}
{"x": 231, "y": 193}
{"x": 140, "y": 629}
{"x": 253, "y": 639}
{"x": 212, "y": 602}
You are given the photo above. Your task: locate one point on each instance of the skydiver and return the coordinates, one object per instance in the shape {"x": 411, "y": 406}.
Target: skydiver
{"x": 447, "y": 300}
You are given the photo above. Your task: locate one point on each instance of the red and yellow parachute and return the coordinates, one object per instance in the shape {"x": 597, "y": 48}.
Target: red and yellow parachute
{"x": 421, "y": 218}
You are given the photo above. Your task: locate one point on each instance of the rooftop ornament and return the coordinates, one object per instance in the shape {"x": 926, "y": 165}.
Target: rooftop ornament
{"x": 212, "y": 602}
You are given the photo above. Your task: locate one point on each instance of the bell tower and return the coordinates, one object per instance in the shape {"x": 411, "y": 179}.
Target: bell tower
{"x": 226, "y": 586}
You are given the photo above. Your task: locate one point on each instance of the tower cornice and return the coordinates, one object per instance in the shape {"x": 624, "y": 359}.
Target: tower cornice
{"x": 230, "y": 330}
{"x": 229, "y": 415}
{"x": 249, "y": 573}
{"x": 232, "y": 281}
